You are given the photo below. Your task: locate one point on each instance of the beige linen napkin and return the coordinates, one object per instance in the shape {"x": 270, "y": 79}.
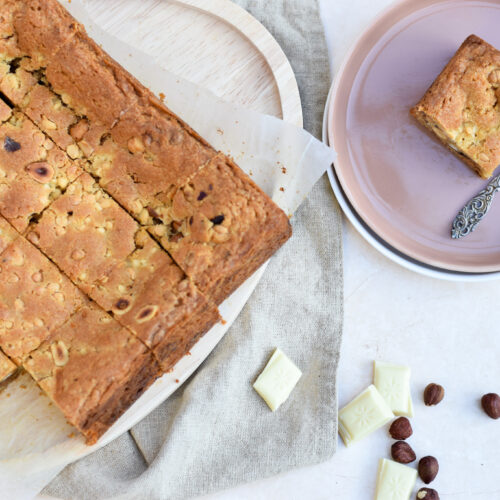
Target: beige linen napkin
{"x": 215, "y": 431}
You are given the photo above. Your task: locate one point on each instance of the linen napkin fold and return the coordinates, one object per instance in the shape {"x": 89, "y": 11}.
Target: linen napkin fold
{"x": 215, "y": 432}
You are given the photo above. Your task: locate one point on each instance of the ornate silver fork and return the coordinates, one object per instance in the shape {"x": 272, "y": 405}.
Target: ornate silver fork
{"x": 474, "y": 212}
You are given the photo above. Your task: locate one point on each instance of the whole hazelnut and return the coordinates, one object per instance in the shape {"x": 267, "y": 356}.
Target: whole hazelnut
{"x": 402, "y": 452}
{"x": 491, "y": 405}
{"x": 427, "y": 494}
{"x": 400, "y": 429}
{"x": 428, "y": 467}
{"x": 433, "y": 394}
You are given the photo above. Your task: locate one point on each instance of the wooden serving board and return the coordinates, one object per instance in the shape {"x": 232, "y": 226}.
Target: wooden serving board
{"x": 213, "y": 43}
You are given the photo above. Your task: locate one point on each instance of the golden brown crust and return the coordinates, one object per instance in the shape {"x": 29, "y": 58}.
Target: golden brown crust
{"x": 93, "y": 369}
{"x": 220, "y": 227}
{"x": 33, "y": 171}
{"x": 85, "y": 233}
{"x": 461, "y": 106}
{"x": 35, "y": 299}
{"x": 42, "y": 26}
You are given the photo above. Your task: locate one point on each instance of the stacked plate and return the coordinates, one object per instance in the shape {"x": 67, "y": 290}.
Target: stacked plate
{"x": 399, "y": 187}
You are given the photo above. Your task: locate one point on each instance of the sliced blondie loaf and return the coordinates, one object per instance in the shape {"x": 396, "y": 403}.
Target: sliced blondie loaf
{"x": 67, "y": 108}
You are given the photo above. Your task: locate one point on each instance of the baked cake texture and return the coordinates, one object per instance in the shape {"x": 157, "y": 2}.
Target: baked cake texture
{"x": 121, "y": 228}
{"x": 106, "y": 253}
{"x": 33, "y": 171}
{"x": 461, "y": 106}
{"x": 93, "y": 369}
{"x": 89, "y": 365}
{"x": 35, "y": 299}
{"x": 7, "y": 235}
{"x": 213, "y": 222}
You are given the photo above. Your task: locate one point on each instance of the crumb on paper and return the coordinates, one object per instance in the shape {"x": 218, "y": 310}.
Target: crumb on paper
{"x": 22, "y": 386}
{"x": 283, "y": 170}
{"x": 71, "y": 435}
{"x": 282, "y": 189}
{"x": 176, "y": 380}
{"x": 162, "y": 97}
{"x": 250, "y": 173}
{"x": 223, "y": 321}
{"x": 220, "y": 131}
{"x": 188, "y": 353}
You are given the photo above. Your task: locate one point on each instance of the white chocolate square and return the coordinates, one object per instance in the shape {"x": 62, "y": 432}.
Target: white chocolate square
{"x": 395, "y": 481}
{"x": 363, "y": 415}
{"x": 393, "y": 383}
{"x": 277, "y": 380}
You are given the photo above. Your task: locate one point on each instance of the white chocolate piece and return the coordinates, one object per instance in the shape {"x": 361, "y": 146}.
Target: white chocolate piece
{"x": 277, "y": 380}
{"x": 395, "y": 481}
{"x": 393, "y": 382}
{"x": 363, "y": 415}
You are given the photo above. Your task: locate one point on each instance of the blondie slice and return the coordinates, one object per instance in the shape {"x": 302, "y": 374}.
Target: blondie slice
{"x": 33, "y": 171}
{"x": 461, "y": 106}
{"x": 85, "y": 233}
{"x": 35, "y": 299}
{"x": 105, "y": 252}
{"x": 220, "y": 227}
{"x": 93, "y": 369}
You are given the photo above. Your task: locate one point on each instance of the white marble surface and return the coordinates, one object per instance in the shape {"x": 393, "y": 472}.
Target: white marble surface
{"x": 446, "y": 332}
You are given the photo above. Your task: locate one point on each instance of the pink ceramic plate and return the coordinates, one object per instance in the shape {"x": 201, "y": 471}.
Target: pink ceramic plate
{"x": 403, "y": 183}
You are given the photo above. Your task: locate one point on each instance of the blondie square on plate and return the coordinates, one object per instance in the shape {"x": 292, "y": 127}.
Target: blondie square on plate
{"x": 461, "y": 106}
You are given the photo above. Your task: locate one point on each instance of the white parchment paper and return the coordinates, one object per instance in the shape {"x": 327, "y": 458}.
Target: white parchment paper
{"x": 35, "y": 441}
